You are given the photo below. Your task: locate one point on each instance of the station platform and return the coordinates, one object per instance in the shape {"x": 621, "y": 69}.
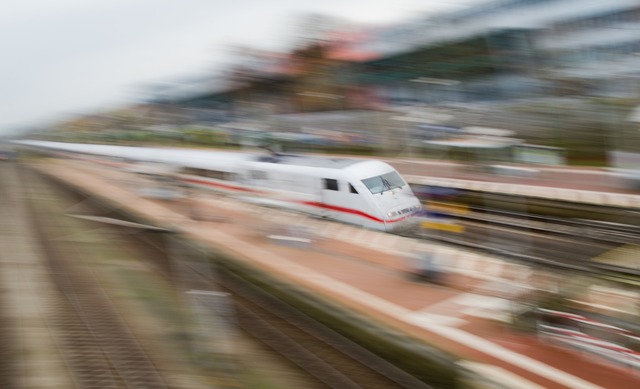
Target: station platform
{"x": 366, "y": 272}
{"x": 594, "y": 186}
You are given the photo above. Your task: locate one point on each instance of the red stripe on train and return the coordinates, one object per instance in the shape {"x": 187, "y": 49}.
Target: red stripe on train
{"x": 309, "y": 203}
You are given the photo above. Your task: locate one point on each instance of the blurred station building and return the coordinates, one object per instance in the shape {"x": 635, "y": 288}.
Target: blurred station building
{"x": 444, "y": 69}
{"x": 505, "y": 49}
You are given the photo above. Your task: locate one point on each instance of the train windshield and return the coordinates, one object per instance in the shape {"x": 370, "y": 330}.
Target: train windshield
{"x": 387, "y": 181}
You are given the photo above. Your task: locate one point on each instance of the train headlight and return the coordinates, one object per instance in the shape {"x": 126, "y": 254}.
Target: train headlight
{"x": 392, "y": 214}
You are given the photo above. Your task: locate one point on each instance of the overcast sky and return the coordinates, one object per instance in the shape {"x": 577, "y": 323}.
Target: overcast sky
{"x": 66, "y": 57}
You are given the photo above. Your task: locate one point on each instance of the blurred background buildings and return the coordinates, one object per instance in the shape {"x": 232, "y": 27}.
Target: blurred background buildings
{"x": 558, "y": 73}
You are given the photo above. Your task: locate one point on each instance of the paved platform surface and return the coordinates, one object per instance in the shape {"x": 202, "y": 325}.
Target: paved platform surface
{"x": 366, "y": 272}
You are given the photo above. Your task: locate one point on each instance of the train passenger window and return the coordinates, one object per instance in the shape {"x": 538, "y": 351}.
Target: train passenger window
{"x": 633, "y": 343}
{"x": 191, "y": 171}
{"x": 557, "y": 320}
{"x": 330, "y": 184}
{"x": 603, "y": 333}
{"x": 352, "y": 189}
{"x": 218, "y": 175}
{"x": 258, "y": 175}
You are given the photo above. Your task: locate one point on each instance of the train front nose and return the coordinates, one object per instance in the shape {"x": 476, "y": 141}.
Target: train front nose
{"x": 402, "y": 218}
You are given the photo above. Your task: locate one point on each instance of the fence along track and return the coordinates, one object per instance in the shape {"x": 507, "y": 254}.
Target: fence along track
{"x": 99, "y": 349}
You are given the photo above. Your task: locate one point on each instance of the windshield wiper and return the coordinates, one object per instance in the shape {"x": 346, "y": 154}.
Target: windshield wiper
{"x": 385, "y": 183}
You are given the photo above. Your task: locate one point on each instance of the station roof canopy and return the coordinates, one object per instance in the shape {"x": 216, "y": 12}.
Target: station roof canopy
{"x": 488, "y": 131}
{"x": 477, "y": 142}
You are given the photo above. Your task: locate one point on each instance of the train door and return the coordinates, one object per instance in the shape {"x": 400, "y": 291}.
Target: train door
{"x": 258, "y": 179}
{"x": 328, "y": 190}
{"x": 338, "y": 201}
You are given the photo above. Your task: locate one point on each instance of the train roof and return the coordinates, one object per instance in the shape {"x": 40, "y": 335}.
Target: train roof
{"x": 198, "y": 158}
{"x": 308, "y": 161}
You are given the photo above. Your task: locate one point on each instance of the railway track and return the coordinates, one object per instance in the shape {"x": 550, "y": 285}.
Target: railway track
{"x": 580, "y": 229}
{"x": 7, "y": 346}
{"x": 98, "y": 348}
{"x": 549, "y": 240}
{"x": 331, "y": 358}
{"x": 6, "y": 354}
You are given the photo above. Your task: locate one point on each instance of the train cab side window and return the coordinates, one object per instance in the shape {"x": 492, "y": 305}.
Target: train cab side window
{"x": 330, "y": 184}
{"x": 218, "y": 175}
{"x": 352, "y": 189}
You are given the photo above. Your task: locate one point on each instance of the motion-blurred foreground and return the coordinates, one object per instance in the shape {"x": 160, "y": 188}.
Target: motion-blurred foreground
{"x": 512, "y": 272}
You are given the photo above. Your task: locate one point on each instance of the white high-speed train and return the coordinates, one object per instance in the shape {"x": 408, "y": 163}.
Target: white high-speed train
{"x": 367, "y": 193}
